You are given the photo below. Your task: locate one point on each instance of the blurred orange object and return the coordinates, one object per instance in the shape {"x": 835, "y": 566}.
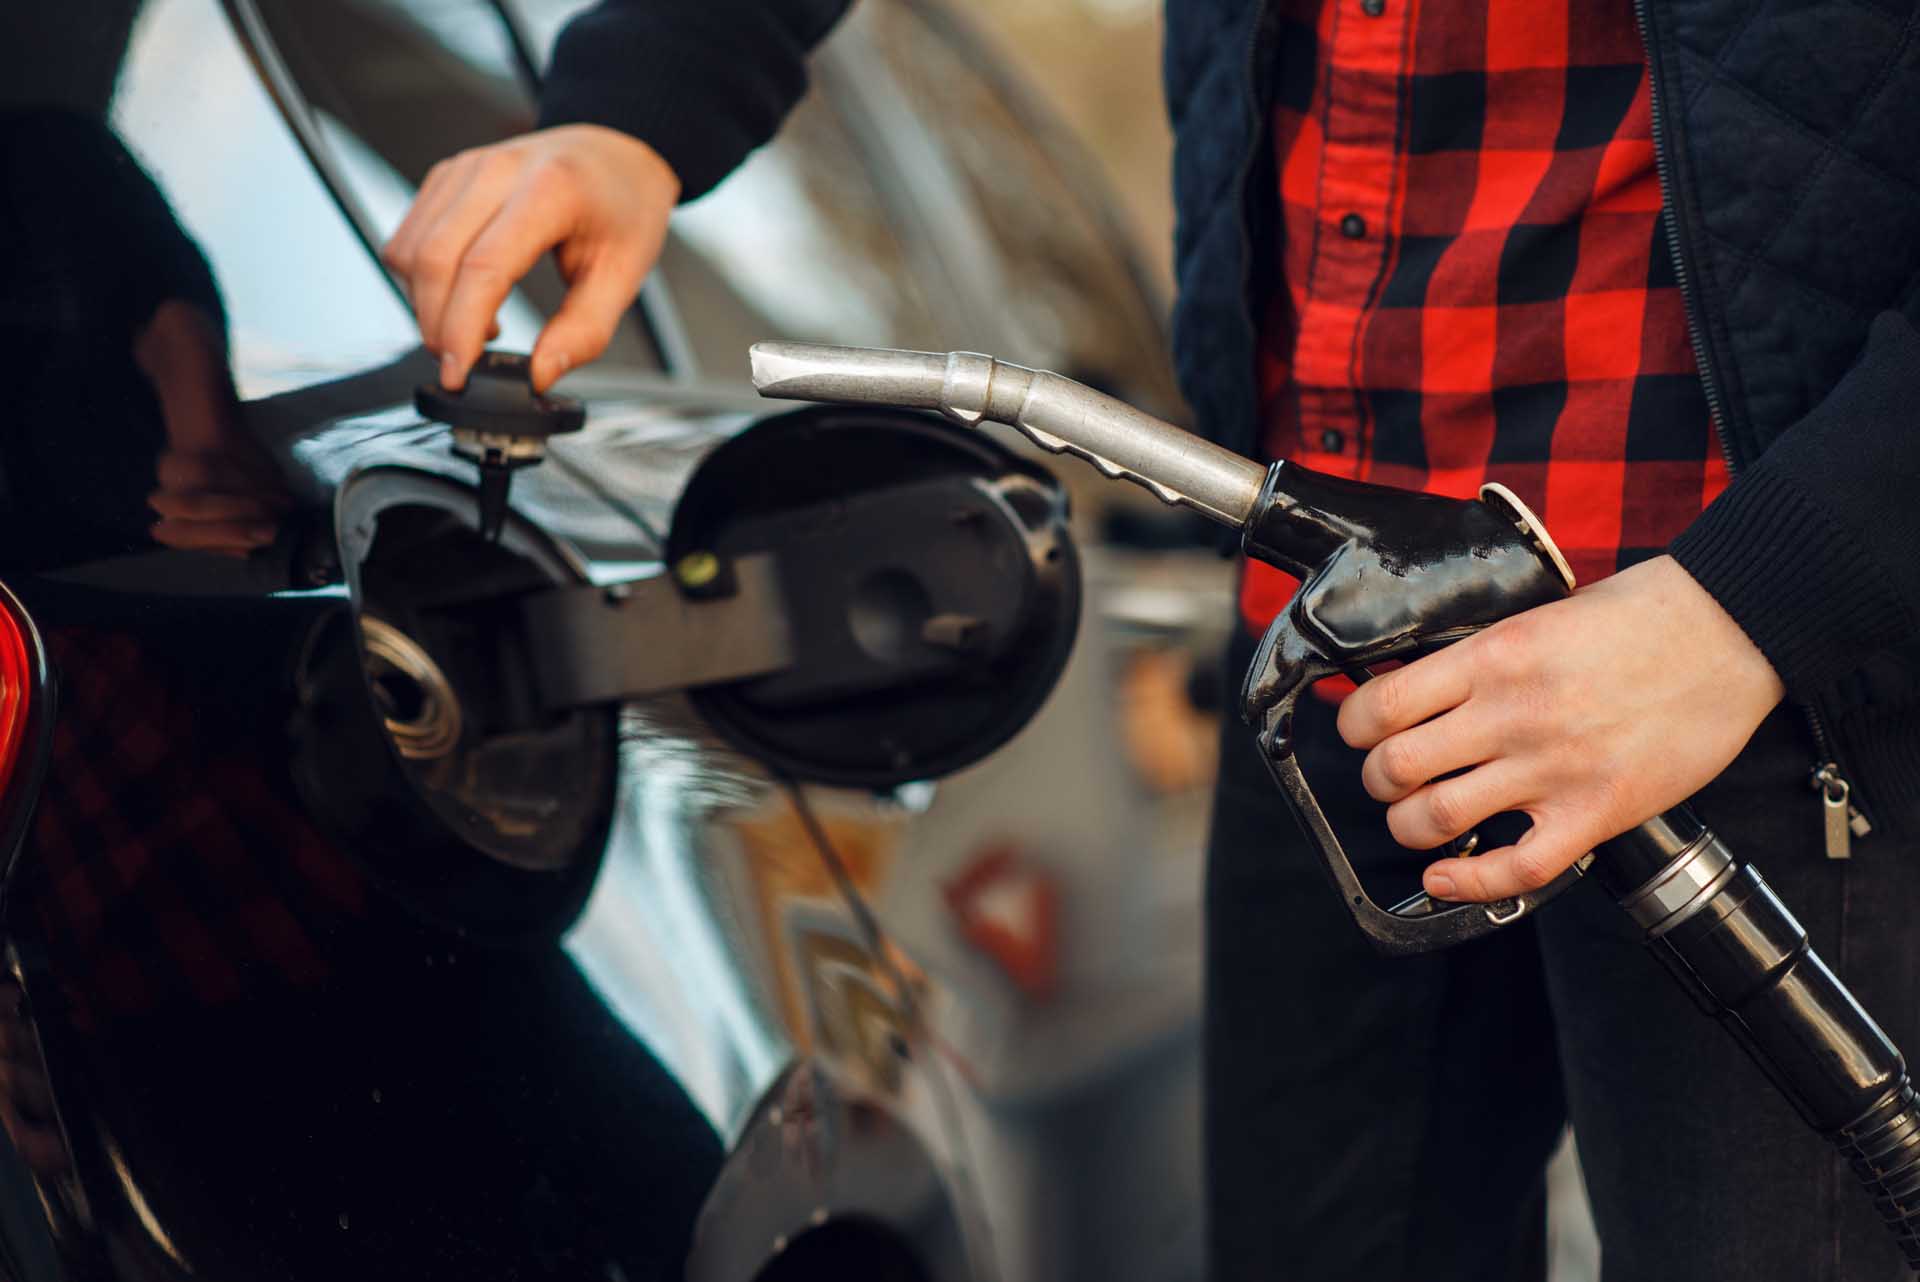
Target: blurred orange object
{"x": 1171, "y": 744}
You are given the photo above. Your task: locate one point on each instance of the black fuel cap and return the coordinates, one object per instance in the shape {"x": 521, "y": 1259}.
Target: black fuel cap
{"x": 500, "y": 423}
{"x": 932, "y": 586}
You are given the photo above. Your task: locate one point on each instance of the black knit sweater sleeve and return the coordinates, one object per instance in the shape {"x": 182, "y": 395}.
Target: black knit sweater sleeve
{"x": 1815, "y": 548}
{"x": 703, "y": 82}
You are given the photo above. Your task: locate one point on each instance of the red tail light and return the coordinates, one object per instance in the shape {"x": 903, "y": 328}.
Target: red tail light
{"x": 26, "y": 712}
{"x": 19, "y": 678}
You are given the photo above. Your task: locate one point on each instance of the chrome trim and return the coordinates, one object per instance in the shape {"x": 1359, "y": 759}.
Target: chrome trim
{"x": 1683, "y": 887}
{"x": 1496, "y": 494}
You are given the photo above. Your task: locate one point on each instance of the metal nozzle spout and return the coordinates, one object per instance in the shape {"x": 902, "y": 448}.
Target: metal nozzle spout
{"x": 862, "y": 375}
{"x": 1055, "y": 413}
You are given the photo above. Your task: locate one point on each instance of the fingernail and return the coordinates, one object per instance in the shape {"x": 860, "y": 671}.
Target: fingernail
{"x": 449, "y": 370}
{"x": 1439, "y": 885}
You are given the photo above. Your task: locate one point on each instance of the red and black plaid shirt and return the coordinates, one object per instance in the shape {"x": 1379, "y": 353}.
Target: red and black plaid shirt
{"x": 1475, "y": 279}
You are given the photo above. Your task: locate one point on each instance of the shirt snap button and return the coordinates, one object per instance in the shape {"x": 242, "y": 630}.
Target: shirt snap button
{"x": 1373, "y": 8}
{"x": 1332, "y": 441}
{"x": 1353, "y": 227}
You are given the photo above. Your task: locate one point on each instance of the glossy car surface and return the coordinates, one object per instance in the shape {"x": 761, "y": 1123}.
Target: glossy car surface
{"x": 271, "y": 1025}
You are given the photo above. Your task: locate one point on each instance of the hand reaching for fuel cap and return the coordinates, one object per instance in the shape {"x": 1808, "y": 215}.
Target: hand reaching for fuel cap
{"x": 1589, "y": 715}
{"x": 598, "y": 197}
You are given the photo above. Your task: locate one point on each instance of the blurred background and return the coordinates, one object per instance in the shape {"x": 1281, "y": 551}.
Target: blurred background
{"x": 1097, "y": 63}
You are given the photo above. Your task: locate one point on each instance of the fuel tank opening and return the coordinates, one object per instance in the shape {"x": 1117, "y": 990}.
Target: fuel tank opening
{"x": 416, "y": 702}
{"x": 421, "y": 741}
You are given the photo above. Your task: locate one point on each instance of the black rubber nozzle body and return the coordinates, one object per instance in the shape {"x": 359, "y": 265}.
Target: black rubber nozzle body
{"x": 1745, "y": 959}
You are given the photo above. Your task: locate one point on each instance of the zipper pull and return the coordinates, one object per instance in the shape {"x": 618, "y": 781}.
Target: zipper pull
{"x": 1843, "y": 821}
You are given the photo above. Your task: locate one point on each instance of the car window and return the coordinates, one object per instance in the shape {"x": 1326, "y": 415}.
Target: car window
{"x": 301, "y": 292}
{"x": 944, "y": 225}
{"x": 390, "y": 88}
{"x": 802, "y": 241}
{"x": 796, "y": 243}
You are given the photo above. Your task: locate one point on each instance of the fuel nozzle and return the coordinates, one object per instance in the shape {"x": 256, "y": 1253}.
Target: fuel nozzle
{"x": 1053, "y": 412}
{"x": 500, "y": 423}
{"x": 1388, "y": 575}
{"x": 1288, "y": 515}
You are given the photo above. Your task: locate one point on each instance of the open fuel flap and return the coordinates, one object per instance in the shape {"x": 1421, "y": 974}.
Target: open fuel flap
{"x": 929, "y": 591}
{"x": 850, "y": 596}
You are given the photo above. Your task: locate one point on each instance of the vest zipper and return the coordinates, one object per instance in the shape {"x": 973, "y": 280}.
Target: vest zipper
{"x": 1257, "y": 139}
{"x": 1842, "y": 818}
{"x": 1662, "y": 168}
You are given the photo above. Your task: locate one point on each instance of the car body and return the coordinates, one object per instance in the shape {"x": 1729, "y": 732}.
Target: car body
{"x": 956, "y": 1041}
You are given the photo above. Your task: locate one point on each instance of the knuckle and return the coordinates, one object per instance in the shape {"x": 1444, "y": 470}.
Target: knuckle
{"x": 591, "y": 342}
{"x": 483, "y": 265}
{"x": 1404, "y": 828}
{"x": 555, "y": 174}
{"x": 437, "y": 261}
{"x": 1400, "y": 763}
{"x": 1448, "y": 812}
{"x": 1537, "y": 705}
{"x": 1502, "y": 646}
{"x": 1532, "y": 869}
{"x": 1376, "y": 783}
{"x": 1387, "y": 701}
{"x": 1516, "y": 645}
{"x": 1349, "y": 720}
{"x": 1609, "y": 795}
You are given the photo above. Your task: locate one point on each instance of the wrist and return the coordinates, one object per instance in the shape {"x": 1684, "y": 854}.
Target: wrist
{"x": 642, "y": 164}
{"x": 1767, "y": 532}
{"x": 1738, "y": 658}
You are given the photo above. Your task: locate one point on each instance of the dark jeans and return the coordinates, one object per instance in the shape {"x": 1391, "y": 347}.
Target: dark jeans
{"x": 1378, "y": 1120}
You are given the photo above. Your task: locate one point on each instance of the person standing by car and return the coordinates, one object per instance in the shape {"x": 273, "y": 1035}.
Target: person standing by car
{"x": 1653, "y": 268}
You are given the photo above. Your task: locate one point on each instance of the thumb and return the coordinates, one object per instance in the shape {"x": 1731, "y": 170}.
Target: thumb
{"x": 1542, "y": 853}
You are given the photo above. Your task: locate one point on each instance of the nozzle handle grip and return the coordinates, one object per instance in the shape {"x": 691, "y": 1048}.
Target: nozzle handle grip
{"x": 1386, "y": 574}
{"x": 1416, "y": 925}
